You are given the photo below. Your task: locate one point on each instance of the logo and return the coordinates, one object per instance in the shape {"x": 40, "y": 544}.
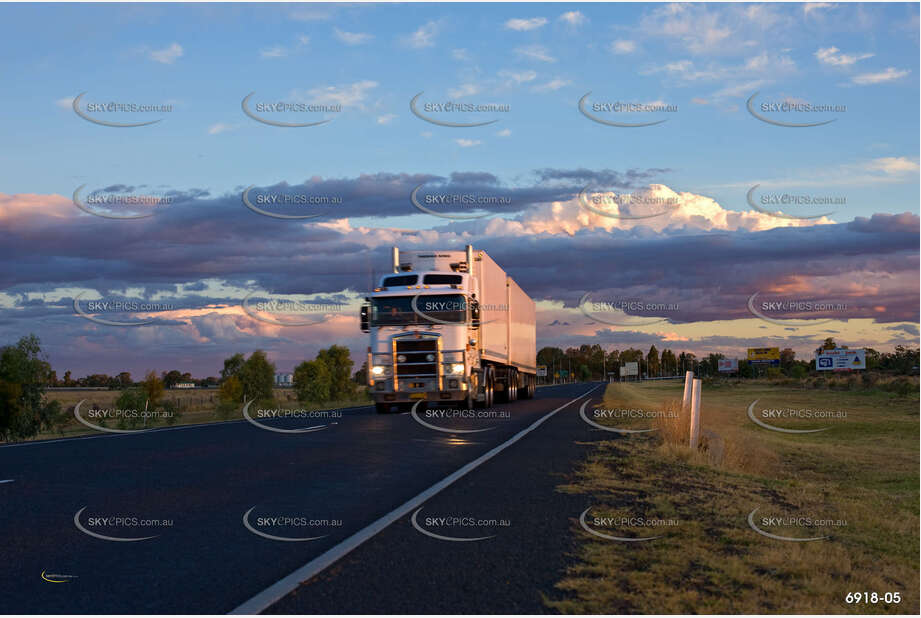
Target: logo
{"x": 610, "y": 123}
{"x": 606, "y": 428}
{"x": 276, "y": 429}
{"x": 610, "y": 537}
{"x": 57, "y": 578}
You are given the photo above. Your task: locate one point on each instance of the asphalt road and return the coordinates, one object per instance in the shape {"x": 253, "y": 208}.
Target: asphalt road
{"x": 189, "y": 488}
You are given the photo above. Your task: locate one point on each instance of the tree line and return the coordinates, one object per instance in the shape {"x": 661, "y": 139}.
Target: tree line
{"x": 592, "y": 362}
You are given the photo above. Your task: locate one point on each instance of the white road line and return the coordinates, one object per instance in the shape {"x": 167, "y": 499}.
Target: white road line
{"x": 282, "y": 587}
{"x": 7, "y": 480}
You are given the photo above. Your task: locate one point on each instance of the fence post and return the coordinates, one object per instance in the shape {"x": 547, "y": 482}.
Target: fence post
{"x": 686, "y": 402}
{"x": 695, "y": 414}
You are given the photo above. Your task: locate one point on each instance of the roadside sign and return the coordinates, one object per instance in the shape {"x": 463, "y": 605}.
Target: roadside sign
{"x": 556, "y": 374}
{"x": 630, "y": 369}
{"x": 564, "y": 373}
{"x": 542, "y": 371}
{"x": 839, "y": 358}
{"x": 764, "y": 356}
{"x": 729, "y": 365}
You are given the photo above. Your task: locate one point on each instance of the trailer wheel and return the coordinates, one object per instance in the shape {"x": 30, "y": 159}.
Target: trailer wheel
{"x": 512, "y": 385}
{"x": 383, "y": 408}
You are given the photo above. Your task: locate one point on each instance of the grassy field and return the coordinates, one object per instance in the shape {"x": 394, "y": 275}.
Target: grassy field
{"x": 194, "y": 406}
{"x": 855, "y": 483}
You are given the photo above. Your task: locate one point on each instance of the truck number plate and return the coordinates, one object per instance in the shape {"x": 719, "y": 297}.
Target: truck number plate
{"x": 417, "y": 395}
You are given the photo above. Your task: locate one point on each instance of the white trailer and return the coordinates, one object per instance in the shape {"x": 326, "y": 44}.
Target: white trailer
{"x": 449, "y": 326}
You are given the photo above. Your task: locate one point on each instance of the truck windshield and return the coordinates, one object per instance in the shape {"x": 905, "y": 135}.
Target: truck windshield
{"x": 430, "y": 309}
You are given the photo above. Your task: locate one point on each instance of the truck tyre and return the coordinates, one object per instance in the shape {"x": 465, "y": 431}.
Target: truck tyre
{"x": 383, "y": 408}
{"x": 513, "y": 385}
{"x": 490, "y": 383}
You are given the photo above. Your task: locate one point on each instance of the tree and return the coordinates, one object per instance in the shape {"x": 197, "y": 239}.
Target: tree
{"x": 171, "y": 378}
{"x": 232, "y": 366}
{"x": 669, "y": 362}
{"x": 152, "y": 387}
{"x": 67, "y": 380}
{"x": 361, "y": 376}
{"x": 24, "y": 375}
{"x": 312, "y": 381}
{"x": 652, "y": 361}
{"x": 257, "y": 377}
{"x": 787, "y": 358}
{"x": 124, "y": 379}
{"x": 339, "y": 364}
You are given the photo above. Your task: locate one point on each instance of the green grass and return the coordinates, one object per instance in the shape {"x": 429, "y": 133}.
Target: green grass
{"x": 864, "y": 470}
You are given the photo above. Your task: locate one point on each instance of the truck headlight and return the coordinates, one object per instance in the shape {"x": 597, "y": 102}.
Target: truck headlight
{"x": 401, "y": 358}
{"x": 429, "y": 357}
{"x": 457, "y": 368}
{"x": 377, "y": 370}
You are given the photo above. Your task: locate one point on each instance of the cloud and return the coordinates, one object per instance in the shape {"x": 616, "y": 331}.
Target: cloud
{"x": 221, "y": 127}
{"x": 893, "y": 165}
{"x": 552, "y": 85}
{"x": 467, "y": 143}
{"x": 352, "y": 38}
{"x": 623, "y": 47}
{"x": 573, "y": 18}
{"x": 386, "y": 118}
{"x": 65, "y": 102}
{"x": 504, "y": 133}
{"x": 830, "y": 55}
{"x": 273, "y": 52}
{"x": 424, "y": 36}
{"x": 811, "y": 7}
{"x": 464, "y": 90}
{"x": 347, "y": 95}
{"x": 521, "y": 25}
{"x": 167, "y": 55}
{"x": 889, "y": 75}
{"x": 517, "y": 78}
{"x": 535, "y": 52}
{"x": 460, "y": 54}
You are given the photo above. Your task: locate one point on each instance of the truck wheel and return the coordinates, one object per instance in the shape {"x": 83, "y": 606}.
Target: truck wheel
{"x": 490, "y": 383}
{"x": 383, "y": 408}
{"x": 512, "y": 385}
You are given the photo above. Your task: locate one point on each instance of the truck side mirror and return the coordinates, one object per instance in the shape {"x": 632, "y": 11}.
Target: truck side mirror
{"x": 364, "y": 318}
{"x": 475, "y": 314}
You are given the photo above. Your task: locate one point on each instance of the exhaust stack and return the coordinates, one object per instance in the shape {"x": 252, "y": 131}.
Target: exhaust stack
{"x": 470, "y": 259}
{"x": 396, "y": 259}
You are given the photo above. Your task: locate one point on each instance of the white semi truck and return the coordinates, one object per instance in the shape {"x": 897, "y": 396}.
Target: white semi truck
{"x": 449, "y": 326}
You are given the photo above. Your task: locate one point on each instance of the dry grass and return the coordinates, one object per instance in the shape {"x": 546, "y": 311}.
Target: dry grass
{"x": 194, "y": 406}
{"x": 862, "y": 473}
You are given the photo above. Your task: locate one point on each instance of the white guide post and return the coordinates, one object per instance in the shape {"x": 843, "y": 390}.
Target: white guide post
{"x": 695, "y": 414}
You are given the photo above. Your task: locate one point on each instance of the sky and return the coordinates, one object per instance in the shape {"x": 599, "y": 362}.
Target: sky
{"x": 697, "y": 222}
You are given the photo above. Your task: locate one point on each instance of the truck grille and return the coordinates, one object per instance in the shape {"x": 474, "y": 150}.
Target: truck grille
{"x": 416, "y": 365}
